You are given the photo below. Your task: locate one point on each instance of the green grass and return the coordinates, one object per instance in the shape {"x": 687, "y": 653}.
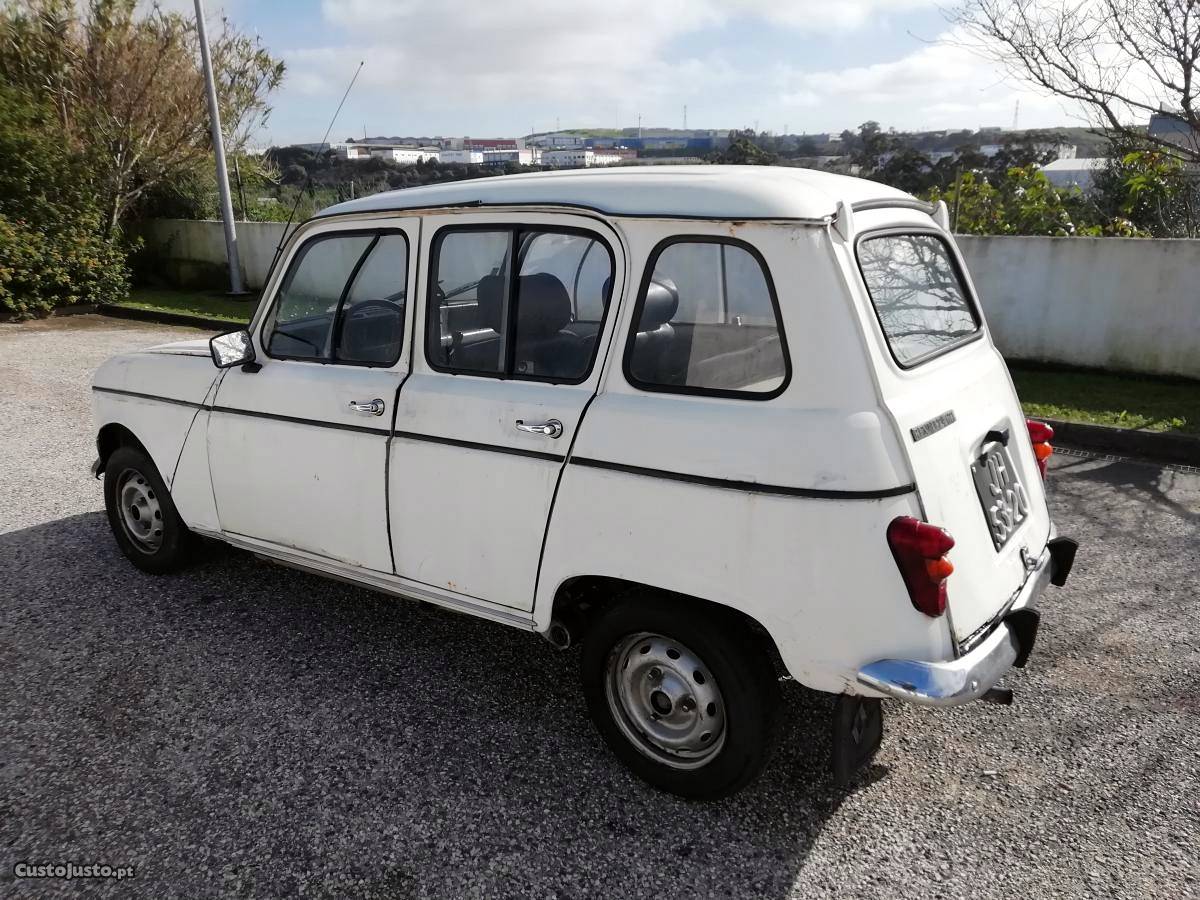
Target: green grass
{"x": 203, "y": 304}
{"x": 1095, "y": 398}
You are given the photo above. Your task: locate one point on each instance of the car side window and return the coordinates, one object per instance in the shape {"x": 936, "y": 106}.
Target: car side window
{"x": 343, "y": 301}
{"x": 468, "y": 304}
{"x": 482, "y": 321}
{"x": 707, "y": 321}
{"x": 370, "y": 329}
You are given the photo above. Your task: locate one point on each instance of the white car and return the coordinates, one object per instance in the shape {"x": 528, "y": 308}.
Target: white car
{"x": 717, "y": 425}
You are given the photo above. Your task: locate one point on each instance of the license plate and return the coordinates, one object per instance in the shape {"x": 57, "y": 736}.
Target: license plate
{"x": 1005, "y": 503}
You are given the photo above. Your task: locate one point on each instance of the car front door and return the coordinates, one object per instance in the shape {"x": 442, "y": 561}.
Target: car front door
{"x": 297, "y": 442}
{"x": 516, "y": 317}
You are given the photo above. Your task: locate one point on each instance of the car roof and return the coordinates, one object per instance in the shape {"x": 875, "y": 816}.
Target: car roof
{"x": 703, "y": 192}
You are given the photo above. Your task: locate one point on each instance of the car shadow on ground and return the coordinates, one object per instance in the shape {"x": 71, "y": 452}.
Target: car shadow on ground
{"x": 242, "y": 728}
{"x": 1142, "y": 481}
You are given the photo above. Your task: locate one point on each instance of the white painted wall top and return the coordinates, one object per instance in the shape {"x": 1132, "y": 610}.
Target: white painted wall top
{"x": 707, "y": 192}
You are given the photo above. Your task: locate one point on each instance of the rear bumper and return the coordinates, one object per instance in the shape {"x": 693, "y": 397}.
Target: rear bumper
{"x": 972, "y": 675}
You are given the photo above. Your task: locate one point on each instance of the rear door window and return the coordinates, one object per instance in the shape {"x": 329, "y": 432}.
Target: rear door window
{"x": 918, "y": 295}
{"x": 543, "y": 325}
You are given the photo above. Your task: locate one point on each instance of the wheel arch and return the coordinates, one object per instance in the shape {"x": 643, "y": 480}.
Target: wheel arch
{"x": 112, "y": 436}
{"x": 579, "y": 599}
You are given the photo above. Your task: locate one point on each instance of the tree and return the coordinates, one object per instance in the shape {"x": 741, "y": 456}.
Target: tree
{"x": 873, "y": 143}
{"x": 128, "y": 91}
{"x": 1149, "y": 190}
{"x": 51, "y": 248}
{"x": 743, "y": 151}
{"x": 294, "y": 174}
{"x": 909, "y": 170}
{"x": 1120, "y": 60}
{"x": 806, "y": 146}
{"x": 1022, "y": 201}
{"x": 1028, "y": 151}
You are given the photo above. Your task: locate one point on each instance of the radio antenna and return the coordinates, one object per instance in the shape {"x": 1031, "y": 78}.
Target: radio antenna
{"x": 308, "y": 180}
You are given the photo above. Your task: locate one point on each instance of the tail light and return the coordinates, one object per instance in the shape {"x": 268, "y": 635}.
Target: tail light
{"x": 1041, "y": 435}
{"x": 920, "y": 550}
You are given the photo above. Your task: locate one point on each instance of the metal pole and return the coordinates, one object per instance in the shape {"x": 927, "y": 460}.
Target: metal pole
{"x": 237, "y": 176}
{"x": 957, "y": 199}
{"x": 214, "y": 117}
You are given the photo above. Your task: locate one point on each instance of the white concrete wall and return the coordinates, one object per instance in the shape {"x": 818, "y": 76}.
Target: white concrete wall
{"x": 1110, "y": 303}
{"x": 195, "y": 250}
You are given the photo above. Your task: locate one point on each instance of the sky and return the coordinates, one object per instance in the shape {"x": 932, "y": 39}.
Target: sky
{"x": 492, "y": 69}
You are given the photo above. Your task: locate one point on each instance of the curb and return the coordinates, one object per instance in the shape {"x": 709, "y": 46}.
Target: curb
{"x": 1159, "y": 446}
{"x": 167, "y": 318}
{"x": 75, "y": 309}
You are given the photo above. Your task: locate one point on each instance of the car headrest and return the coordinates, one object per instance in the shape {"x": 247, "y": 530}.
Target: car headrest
{"x": 660, "y": 305}
{"x": 490, "y": 297}
{"x": 543, "y": 306}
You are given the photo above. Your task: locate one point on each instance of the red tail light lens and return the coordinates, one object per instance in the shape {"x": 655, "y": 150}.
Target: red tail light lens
{"x": 919, "y": 549}
{"x": 1041, "y": 435}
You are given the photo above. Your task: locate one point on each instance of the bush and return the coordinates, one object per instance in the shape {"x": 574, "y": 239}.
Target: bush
{"x": 52, "y": 249}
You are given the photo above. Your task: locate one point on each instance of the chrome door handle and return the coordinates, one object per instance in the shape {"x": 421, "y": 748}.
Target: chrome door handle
{"x": 551, "y": 428}
{"x": 374, "y": 407}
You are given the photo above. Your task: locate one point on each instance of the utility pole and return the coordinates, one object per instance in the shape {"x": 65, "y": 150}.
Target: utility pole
{"x": 685, "y": 117}
{"x": 957, "y": 197}
{"x": 214, "y": 118}
{"x": 237, "y": 176}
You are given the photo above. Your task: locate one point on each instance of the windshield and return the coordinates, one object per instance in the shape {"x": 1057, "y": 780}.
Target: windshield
{"x": 917, "y": 293}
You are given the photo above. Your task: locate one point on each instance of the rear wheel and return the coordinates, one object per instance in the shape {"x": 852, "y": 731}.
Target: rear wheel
{"x": 686, "y": 699}
{"x": 142, "y": 515}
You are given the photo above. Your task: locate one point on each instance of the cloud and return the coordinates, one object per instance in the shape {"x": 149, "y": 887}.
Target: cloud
{"x": 550, "y": 50}
{"x": 939, "y": 82}
{"x": 454, "y": 67}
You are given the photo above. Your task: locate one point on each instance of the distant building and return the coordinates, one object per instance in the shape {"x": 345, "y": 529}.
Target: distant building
{"x": 523, "y": 156}
{"x": 1060, "y": 150}
{"x": 696, "y": 140}
{"x": 352, "y": 151}
{"x": 1169, "y": 127}
{"x": 490, "y": 144}
{"x": 1078, "y": 172}
{"x": 406, "y": 156}
{"x": 470, "y": 157}
{"x": 582, "y": 157}
{"x": 557, "y": 141}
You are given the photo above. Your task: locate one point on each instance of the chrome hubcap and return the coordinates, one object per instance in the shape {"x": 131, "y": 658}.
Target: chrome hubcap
{"x": 141, "y": 513}
{"x": 665, "y": 700}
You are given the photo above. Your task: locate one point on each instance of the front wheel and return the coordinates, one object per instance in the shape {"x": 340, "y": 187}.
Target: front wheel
{"x": 685, "y": 697}
{"x": 142, "y": 515}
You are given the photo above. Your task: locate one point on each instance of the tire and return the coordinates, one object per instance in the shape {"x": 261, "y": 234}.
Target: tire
{"x": 142, "y": 515}
{"x": 645, "y": 658}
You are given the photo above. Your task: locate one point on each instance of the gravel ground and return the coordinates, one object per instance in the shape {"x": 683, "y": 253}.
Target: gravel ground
{"x": 246, "y": 730}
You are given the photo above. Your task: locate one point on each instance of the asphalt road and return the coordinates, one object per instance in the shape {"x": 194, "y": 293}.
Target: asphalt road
{"x": 245, "y": 730}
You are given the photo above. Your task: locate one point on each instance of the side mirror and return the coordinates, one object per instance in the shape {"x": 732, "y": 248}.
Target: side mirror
{"x": 234, "y": 348}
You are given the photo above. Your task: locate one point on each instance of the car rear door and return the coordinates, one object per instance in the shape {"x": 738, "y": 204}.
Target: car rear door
{"x": 514, "y": 322}
{"x": 959, "y": 418}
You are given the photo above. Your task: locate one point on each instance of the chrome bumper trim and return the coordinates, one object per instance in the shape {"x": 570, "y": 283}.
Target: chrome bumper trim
{"x": 970, "y": 676}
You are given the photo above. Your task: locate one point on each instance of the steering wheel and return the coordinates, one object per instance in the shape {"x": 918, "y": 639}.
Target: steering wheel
{"x": 365, "y": 306}
{"x": 384, "y": 303}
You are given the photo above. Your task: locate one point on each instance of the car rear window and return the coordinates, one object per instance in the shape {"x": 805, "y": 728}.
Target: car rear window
{"x": 917, "y": 293}
{"x": 707, "y": 323}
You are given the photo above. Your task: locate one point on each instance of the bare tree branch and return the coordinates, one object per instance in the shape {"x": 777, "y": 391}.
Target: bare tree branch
{"x": 1121, "y": 61}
